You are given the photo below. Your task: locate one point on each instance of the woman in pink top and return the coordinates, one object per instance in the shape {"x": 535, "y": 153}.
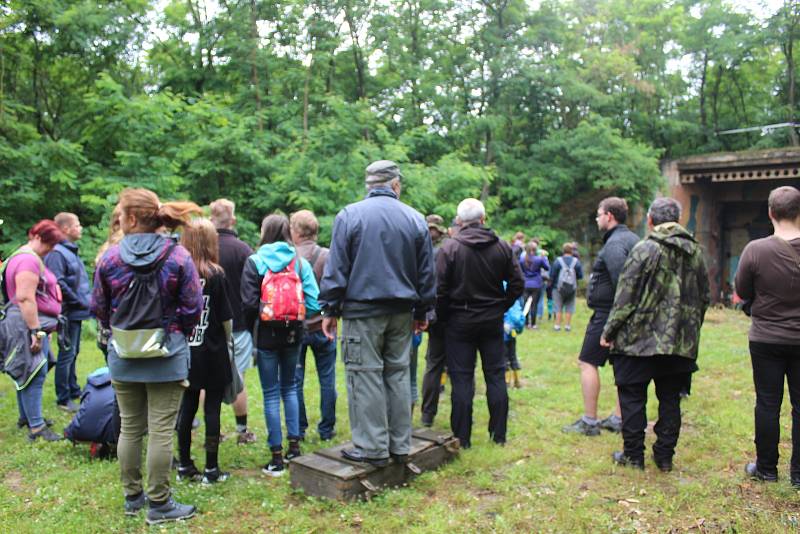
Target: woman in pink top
{"x": 35, "y": 302}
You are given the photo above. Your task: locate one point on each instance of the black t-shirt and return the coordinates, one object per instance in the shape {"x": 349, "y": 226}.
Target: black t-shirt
{"x": 210, "y": 367}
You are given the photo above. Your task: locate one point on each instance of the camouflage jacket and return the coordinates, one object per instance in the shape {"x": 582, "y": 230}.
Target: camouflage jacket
{"x": 662, "y": 296}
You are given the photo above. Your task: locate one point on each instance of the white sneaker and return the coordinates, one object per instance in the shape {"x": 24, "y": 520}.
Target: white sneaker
{"x": 556, "y": 327}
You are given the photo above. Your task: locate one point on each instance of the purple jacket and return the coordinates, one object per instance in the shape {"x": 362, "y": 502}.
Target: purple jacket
{"x": 180, "y": 284}
{"x": 533, "y": 272}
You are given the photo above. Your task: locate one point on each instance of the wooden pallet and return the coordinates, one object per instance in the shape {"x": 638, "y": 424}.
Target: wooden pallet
{"x": 325, "y": 473}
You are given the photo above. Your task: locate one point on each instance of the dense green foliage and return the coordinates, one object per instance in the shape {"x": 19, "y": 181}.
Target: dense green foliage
{"x": 280, "y": 104}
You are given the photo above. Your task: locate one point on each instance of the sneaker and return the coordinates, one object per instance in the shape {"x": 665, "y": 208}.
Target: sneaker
{"x": 611, "y": 423}
{"x": 45, "y": 434}
{"x": 427, "y": 420}
{"x": 212, "y": 476}
{"x": 69, "y": 407}
{"x": 245, "y": 438}
{"x": 134, "y": 506}
{"x": 568, "y": 328}
{"x": 189, "y": 473}
{"x": 169, "y": 511}
{"x": 755, "y": 473}
{"x": 619, "y": 458}
{"x": 535, "y": 327}
{"x": 294, "y": 450}
{"x": 23, "y": 423}
{"x": 556, "y": 327}
{"x": 582, "y": 427}
{"x": 273, "y": 469}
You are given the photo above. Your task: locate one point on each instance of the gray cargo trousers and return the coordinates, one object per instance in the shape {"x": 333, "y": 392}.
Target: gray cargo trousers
{"x": 376, "y": 360}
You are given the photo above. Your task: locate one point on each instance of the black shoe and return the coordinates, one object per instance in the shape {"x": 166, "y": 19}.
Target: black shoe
{"x": 796, "y": 482}
{"x": 328, "y": 437}
{"x": 189, "y": 473}
{"x": 399, "y": 458}
{"x": 753, "y": 472}
{"x": 620, "y": 459}
{"x": 294, "y": 450}
{"x": 212, "y": 476}
{"x": 427, "y": 420}
{"x": 355, "y": 455}
{"x": 665, "y": 466}
{"x": 23, "y": 423}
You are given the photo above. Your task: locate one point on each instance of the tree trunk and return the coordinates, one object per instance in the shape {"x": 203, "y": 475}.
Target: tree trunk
{"x": 703, "y": 113}
{"x": 253, "y": 64}
{"x": 790, "y": 71}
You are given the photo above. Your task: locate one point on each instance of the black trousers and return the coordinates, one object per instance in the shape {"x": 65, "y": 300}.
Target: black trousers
{"x": 211, "y": 411}
{"x": 533, "y": 293}
{"x": 633, "y": 402}
{"x": 771, "y": 363}
{"x": 434, "y": 367}
{"x": 462, "y": 343}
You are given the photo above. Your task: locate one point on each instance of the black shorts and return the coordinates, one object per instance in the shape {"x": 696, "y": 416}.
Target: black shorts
{"x": 591, "y": 351}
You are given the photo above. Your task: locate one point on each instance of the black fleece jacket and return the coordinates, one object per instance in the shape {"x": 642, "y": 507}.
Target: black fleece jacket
{"x": 617, "y": 244}
{"x": 470, "y": 271}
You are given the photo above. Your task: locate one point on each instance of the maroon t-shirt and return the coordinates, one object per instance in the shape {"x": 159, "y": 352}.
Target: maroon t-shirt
{"x": 769, "y": 277}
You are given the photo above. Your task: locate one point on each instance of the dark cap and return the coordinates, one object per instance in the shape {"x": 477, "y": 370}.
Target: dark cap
{"x": 382, "y": 171}
{"x": 434, "y": 221}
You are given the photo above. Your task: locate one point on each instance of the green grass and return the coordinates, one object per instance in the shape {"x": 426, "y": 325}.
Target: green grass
{"x": 542, "y": 481}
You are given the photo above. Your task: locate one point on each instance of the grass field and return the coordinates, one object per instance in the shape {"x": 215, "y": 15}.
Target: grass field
{"x": 542, "y": 481}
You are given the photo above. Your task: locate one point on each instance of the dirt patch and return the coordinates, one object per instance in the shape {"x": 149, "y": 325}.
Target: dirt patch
{"x": 14, "y": 481}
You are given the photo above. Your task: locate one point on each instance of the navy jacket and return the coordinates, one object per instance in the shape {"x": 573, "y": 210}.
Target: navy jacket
{"x": 617, "y": 244}
{"x": 380, "y": 261}
{"x": 64, "y": 262}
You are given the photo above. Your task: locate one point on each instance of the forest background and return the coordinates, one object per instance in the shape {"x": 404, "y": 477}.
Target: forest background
{"x": 540, "y": 109}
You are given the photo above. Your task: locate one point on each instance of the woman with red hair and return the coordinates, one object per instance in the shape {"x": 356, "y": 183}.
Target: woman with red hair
{"x": 34, "y": 302}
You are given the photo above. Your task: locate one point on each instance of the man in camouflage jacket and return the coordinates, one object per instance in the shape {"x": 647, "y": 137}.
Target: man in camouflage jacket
{"x": 654, "y": 331}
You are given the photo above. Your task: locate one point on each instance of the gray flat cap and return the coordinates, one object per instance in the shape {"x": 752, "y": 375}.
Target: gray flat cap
{"x": 382, "y": 171}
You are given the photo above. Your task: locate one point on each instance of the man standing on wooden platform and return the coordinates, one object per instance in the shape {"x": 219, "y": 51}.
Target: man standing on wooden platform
{"x": 379, "y": 278}
{"x": 471, "y": 299}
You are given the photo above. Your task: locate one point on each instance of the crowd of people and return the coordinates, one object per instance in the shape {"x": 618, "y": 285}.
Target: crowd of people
{"x": 184, "y": 309}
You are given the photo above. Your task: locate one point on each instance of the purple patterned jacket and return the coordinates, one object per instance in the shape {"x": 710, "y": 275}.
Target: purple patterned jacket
{"x": 180, "y": 288}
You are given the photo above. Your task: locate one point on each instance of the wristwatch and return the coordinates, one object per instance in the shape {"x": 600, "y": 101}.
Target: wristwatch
{"x": 40, "y": 334}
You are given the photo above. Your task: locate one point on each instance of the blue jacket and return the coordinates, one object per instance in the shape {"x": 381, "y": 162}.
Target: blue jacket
{"x": 64, "y": 262}
{"x": 533, "y": 272}
{"x": 381, "y": 260}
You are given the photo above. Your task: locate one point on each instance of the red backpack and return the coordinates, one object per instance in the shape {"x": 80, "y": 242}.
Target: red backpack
{"x": 282, "y": 298}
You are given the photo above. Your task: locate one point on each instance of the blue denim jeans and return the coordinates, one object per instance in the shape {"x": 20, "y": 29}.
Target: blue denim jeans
{"x": 324, "y": 351}
{"x": 66, "y": 379}
{"x": 276, "y": 370}
{"x": 29, "y": 399}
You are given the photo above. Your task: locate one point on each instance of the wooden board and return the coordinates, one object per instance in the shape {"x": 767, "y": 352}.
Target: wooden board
{"x": 325, "y": 473}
